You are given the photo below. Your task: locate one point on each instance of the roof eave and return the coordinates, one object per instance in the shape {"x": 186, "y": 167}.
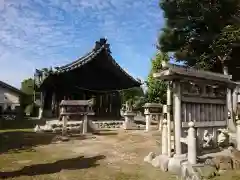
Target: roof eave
{"x": 5, "y": 85}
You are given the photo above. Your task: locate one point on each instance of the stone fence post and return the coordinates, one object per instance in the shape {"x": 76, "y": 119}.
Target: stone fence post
{"x": 148, "y": 121}
{"x": 161, "y": 117}
{"x": 85, "y": 124}
{"x": 191, "y": 140}
{"x": 238, "y": 135}
{"x": 164, "y": 138}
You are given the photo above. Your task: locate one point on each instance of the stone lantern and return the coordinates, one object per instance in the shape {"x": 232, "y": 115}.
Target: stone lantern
{"x": 151, "y": 109}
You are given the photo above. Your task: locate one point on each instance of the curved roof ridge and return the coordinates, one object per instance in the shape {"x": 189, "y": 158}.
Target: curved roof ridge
{"x": 76, "y": 61}
{"x": 122, "y": 70}
{"x": 80, "y": 61}
{"x": 99, "y": 45}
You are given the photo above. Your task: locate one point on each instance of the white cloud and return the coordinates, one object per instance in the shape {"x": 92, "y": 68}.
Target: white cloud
{"x": 39, "y": 33}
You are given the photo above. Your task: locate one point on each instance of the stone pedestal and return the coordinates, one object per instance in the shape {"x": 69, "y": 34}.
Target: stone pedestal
{"x": 174, "y": 164}
{"x": 129, "y": 121}
{"x": 161, "y": 162}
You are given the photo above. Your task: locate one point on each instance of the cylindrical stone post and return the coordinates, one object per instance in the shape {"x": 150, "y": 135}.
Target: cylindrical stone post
{"x": 165, "y": 138}
{"x": 238, "y": 135}
{"x": 64, "y": 127}
{"x": 192, "y": 146}
{"x": 148, "y": 122}
{"x": 64, "y": 121}
{"x": 177, "y": 118}
{"x": 85, "y": 124}
{"x": 161, "y": 116}
{"x": 169, "y": 105}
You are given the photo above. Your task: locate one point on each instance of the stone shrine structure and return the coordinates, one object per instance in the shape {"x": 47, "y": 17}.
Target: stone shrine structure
{"x": 198, "y": 101}
{"x": 198, "y": 96}
{"x": 77, "y": 109}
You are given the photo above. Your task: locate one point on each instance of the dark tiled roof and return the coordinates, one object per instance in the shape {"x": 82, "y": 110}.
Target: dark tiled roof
{"x": 100, "y": 46}
{"x": 5, "y": 85}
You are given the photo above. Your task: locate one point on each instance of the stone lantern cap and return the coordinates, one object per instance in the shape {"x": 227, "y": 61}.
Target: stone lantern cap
{"x": 149, "y": 105}
{"x": 129, "y": 113}
{"x": 76, "y": 103}
{"x": 77, "y": 107}
{"x": 152, "y": 108}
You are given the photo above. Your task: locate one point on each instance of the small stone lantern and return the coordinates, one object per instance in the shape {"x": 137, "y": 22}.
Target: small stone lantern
{"x": 151, "y": 109}
{"x": 129, "y": 120}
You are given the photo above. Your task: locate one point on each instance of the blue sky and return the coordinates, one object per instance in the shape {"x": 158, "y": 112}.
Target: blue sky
{"x": 44, "y": 33}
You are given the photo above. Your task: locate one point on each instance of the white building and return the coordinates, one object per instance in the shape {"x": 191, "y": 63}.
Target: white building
{"x": 9, "y": 97}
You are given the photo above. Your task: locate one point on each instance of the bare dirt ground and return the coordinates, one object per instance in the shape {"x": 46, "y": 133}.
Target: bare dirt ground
{"x": 110, "y": 155}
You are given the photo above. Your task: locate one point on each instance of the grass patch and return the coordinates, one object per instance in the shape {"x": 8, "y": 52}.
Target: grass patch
{"x": 109, "y": 156}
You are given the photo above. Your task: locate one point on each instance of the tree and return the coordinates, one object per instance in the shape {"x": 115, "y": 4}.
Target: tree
{"x": 27, "y": 101}
{"x": 202, "y": 34}
{"x": 27, "y": 86}
{"x": 131, "y": 94}
{"x": 135, "y": 96}
{"x": 156, "y": 89}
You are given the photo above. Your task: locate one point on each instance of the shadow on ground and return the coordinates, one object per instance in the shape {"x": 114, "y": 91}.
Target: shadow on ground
{"x": 14, "y": 141}
{"x": 105, "y": 133}
{"x": 50, "y": 168}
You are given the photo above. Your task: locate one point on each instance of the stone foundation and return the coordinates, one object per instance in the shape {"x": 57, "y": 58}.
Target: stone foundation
{"x": 108, "y": 124}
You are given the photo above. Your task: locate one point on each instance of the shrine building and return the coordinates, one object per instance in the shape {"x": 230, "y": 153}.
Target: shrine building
{"x": 95, "y": 75}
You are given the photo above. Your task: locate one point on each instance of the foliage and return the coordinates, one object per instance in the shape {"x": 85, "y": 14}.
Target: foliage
{"x": 139, "y": 102}
{"x": 131, "y": 94}
{"x": 202, "y": 33}
{"x": 27, "y": 87}
{"x": 135, "y": 96}
{"x": 156, "y": 89}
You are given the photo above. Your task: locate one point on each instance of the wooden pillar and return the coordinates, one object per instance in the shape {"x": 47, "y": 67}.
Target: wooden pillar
{"x": 198, "y": 116}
